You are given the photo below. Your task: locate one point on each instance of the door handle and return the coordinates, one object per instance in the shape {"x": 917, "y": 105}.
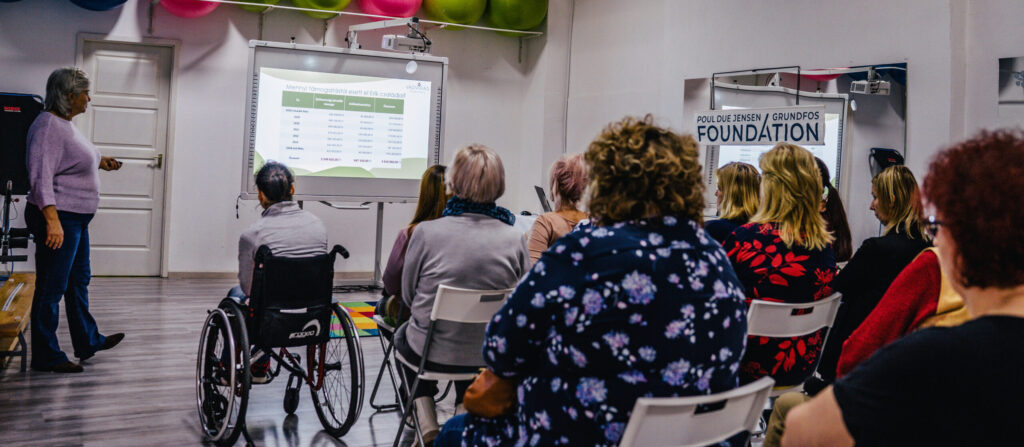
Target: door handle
{"x": 158, "y": 161}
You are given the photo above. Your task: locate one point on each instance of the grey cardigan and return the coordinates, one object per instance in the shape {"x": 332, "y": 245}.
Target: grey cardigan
{"x": 470, "y": 251}
{"x": 287, "y": 230}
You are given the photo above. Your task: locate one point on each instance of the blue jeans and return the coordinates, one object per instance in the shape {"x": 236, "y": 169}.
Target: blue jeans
{"x": 237, "y": 294}
{"x": 63, "y": 272}
{"x": 451, "y": 432}
{"x": 261, "y": 362}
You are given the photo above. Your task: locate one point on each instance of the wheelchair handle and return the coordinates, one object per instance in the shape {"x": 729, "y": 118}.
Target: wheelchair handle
{"x": 340, "y": 250}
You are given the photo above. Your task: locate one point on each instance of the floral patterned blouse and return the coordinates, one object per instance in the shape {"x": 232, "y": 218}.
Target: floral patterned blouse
{"x": 770, "y": 271}
{"x": 607, "y": 315}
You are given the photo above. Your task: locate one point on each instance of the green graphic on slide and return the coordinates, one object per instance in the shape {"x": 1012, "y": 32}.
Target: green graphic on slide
{"x": 340, "y": 102}
{"x": 333, "y": 93}
{"x": 258, "y": 163}
{"x": 412, "y": 168}
{"x": 327, "y": 102}
{"x": 298, "y": 99}
{"x": 384, "y": 105}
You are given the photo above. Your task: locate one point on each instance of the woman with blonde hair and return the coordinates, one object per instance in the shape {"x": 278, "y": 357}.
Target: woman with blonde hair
{"x": 617, "y": 310}
{"x": 568, "y": 179}
{"x": 738, "y": 196}
{"x": 785, "y": 255}
{"x": 873, "y": 268}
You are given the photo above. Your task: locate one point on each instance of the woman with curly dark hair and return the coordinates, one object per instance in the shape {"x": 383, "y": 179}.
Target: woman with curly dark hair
{"x": 642, "y": 303}
{"x": 955, "y": 385}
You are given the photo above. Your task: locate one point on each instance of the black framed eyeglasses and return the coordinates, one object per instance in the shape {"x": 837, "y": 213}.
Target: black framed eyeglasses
{"x": 932, "y": 225}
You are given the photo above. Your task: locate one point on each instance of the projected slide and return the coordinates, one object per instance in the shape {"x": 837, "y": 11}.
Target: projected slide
{"x": 828, "y": 152}
{"x": 336, "y": 125}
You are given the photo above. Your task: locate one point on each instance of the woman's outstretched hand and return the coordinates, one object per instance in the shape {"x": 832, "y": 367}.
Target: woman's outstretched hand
{"x": 109, "y": 164}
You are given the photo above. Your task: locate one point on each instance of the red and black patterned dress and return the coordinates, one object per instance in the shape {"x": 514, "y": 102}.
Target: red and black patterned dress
{"x": 770, "y": 271}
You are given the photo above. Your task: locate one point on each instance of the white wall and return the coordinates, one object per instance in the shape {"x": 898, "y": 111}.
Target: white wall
{"x": 994, "y": 31}
{"x": 633, "y": 57}
{"x": 493, "y": 98}
{"x": 626, "y": 58}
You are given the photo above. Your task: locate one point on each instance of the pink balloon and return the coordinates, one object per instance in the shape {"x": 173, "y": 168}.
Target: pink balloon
{"x": 394, "y": 8}
{"x": 822, "y": 78}
{"x": 188, "y": 8}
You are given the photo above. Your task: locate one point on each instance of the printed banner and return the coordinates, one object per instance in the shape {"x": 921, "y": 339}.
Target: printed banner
{"x": 803, "y": 125}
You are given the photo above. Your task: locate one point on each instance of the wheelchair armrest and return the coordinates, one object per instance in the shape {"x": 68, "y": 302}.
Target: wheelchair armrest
{"x": 338, "y": 249}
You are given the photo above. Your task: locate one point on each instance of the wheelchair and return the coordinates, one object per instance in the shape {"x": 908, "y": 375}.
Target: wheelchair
{"x": 289, "y": 315}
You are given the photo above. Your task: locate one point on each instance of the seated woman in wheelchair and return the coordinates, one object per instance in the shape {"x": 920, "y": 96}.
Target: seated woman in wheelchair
{"x": 474, "y": 246}
{"x": 289, "y": 231}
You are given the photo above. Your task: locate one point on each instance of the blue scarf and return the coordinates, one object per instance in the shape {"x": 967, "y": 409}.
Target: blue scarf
{"x": 457, "y": 206}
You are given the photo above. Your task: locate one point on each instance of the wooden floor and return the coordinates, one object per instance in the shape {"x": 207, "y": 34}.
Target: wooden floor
{"x": 143, "y": 391}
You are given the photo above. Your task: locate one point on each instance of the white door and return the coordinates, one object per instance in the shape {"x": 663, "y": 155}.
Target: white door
{"x": 127, "y": 119}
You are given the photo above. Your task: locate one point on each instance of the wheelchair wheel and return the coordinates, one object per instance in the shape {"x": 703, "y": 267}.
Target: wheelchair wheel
{"x": 339, "y": 400}
{"x": 222, "y": 375}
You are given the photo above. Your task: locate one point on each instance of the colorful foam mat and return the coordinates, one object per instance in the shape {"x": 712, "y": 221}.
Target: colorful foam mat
{"x": 362, "y": 313}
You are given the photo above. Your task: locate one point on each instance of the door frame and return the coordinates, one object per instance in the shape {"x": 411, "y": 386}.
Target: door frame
{"x": 175, "y": 46}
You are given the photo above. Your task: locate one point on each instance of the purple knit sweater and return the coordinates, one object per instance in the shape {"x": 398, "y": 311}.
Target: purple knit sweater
{"x": 63, "y": 166}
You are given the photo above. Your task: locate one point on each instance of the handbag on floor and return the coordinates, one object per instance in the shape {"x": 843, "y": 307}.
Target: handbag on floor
{"x": 490, "y": 395}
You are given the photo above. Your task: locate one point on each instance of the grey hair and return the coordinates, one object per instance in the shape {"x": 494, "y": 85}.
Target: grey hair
{"x": 476, "y": 174}
{"x": 64, "y": 81}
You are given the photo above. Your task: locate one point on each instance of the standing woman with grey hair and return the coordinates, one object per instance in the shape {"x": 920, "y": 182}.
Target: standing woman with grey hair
{"x": 63, "y": 198}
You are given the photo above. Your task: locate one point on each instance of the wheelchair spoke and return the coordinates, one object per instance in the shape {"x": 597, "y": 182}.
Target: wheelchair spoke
{"x": 336, "y": 402}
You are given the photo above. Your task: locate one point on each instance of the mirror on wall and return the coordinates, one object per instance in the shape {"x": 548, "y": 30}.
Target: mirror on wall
{"x": 865, "y": 108}
{"x": 1011, "y": 92}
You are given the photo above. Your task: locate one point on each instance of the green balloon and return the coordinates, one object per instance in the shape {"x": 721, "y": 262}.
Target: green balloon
{"x": 463, "y": 12}
{"x": 516, "y": 14}
{"x": 258, "y": 8}
{"x": 326, "y": 5}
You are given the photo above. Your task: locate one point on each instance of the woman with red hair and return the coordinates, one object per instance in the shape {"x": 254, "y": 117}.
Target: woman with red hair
{"x": 957, "y": 385}
{"x": 568, "y": 179}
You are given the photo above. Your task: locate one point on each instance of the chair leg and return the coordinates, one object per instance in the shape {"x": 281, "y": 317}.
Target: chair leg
{"x": 386, "y": 364}
{"x": 405, "y": 412}
{"x": 24, "y": 350}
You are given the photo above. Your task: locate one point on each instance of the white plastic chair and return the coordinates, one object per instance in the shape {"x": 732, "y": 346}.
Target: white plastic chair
{"x": 458, "y": 306}
{"x": 782, "y": 320}
{"x": 696, "y": 420}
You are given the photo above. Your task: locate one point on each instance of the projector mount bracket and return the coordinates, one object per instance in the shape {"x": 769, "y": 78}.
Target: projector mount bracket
{"x": 415, "y": 41}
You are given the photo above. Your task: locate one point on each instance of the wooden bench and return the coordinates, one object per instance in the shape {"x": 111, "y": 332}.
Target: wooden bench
{"x": 15, "y": 308}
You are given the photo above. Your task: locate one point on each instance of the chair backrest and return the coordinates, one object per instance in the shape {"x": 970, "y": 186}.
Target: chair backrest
{"x": 467, "y": 305}
{"x": 696, "y": 420}
{"x": 290, "y": 299}
{"x": 771, "y": 319}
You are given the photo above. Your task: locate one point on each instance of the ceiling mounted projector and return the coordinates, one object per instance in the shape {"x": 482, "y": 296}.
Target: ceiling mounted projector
{"x": 871, "y": 87}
